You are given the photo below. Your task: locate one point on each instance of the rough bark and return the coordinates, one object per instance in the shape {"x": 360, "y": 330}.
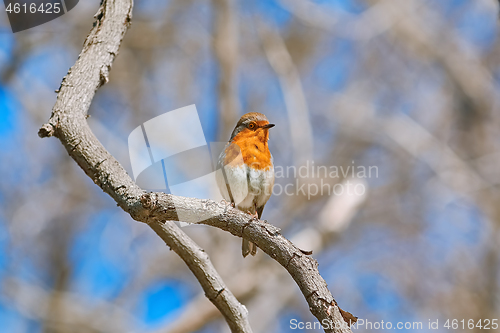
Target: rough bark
{"x": 68, "y": 123}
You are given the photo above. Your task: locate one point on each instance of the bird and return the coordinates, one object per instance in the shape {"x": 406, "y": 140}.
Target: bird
{"x": 245, "y": 169}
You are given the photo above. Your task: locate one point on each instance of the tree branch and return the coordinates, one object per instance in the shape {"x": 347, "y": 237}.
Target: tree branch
{"x": 303, "y": 269}
{"x": 199, "y": 263}
{"x": 68, "y": 124}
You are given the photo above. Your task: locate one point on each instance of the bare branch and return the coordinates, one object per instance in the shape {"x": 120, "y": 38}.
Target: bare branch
{"x": 199, "y": 263}
{"x": 68, "y": 124}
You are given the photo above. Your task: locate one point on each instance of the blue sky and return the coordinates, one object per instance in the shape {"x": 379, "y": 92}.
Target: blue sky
{"x": 103, "y": 245}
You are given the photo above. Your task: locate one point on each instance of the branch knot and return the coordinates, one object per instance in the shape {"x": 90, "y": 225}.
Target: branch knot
{"x": 148, "y": 200}
{"x": 47, "y": 130}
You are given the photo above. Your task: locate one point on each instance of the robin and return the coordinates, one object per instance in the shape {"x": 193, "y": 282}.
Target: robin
{"x": 245, "y": 174}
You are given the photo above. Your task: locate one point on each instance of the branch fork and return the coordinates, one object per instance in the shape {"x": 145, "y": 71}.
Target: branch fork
{"x": 68, "y": 124}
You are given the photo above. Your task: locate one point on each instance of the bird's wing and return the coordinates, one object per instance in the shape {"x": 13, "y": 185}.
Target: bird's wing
{"x": 231, "y": 174}
{"x": 221, "y": 177}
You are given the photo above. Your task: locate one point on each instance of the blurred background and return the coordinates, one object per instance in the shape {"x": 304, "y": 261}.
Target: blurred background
{"x": 409, "y": 88}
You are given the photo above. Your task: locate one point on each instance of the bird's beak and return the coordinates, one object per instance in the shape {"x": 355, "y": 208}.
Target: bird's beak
{"x": 268, "y": 126}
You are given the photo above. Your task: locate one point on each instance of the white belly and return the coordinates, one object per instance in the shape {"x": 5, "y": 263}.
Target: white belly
{"x": 250, "y": 188}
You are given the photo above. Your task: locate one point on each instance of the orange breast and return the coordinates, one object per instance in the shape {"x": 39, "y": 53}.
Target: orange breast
{"x": 253, "y": 147}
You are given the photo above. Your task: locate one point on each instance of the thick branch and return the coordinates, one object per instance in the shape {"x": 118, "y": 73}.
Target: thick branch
{"x": 302, "y": 268}
{"x": 69, "y": 125}
{"x": 199, "y": 263}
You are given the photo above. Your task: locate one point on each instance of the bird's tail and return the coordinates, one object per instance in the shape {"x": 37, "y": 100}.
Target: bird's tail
{"x": 248, "y": 247}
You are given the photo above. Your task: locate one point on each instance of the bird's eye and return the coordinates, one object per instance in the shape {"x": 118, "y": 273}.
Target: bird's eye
{"x": 251, "y": 126}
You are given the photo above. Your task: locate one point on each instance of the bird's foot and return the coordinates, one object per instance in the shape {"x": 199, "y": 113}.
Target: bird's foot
{"x": 227, "y": 203}
{"x": 255, "y": 216}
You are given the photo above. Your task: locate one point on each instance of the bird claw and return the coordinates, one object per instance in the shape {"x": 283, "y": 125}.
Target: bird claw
{"x": 255, "y": 216}
{"x": 227, "y": 203}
